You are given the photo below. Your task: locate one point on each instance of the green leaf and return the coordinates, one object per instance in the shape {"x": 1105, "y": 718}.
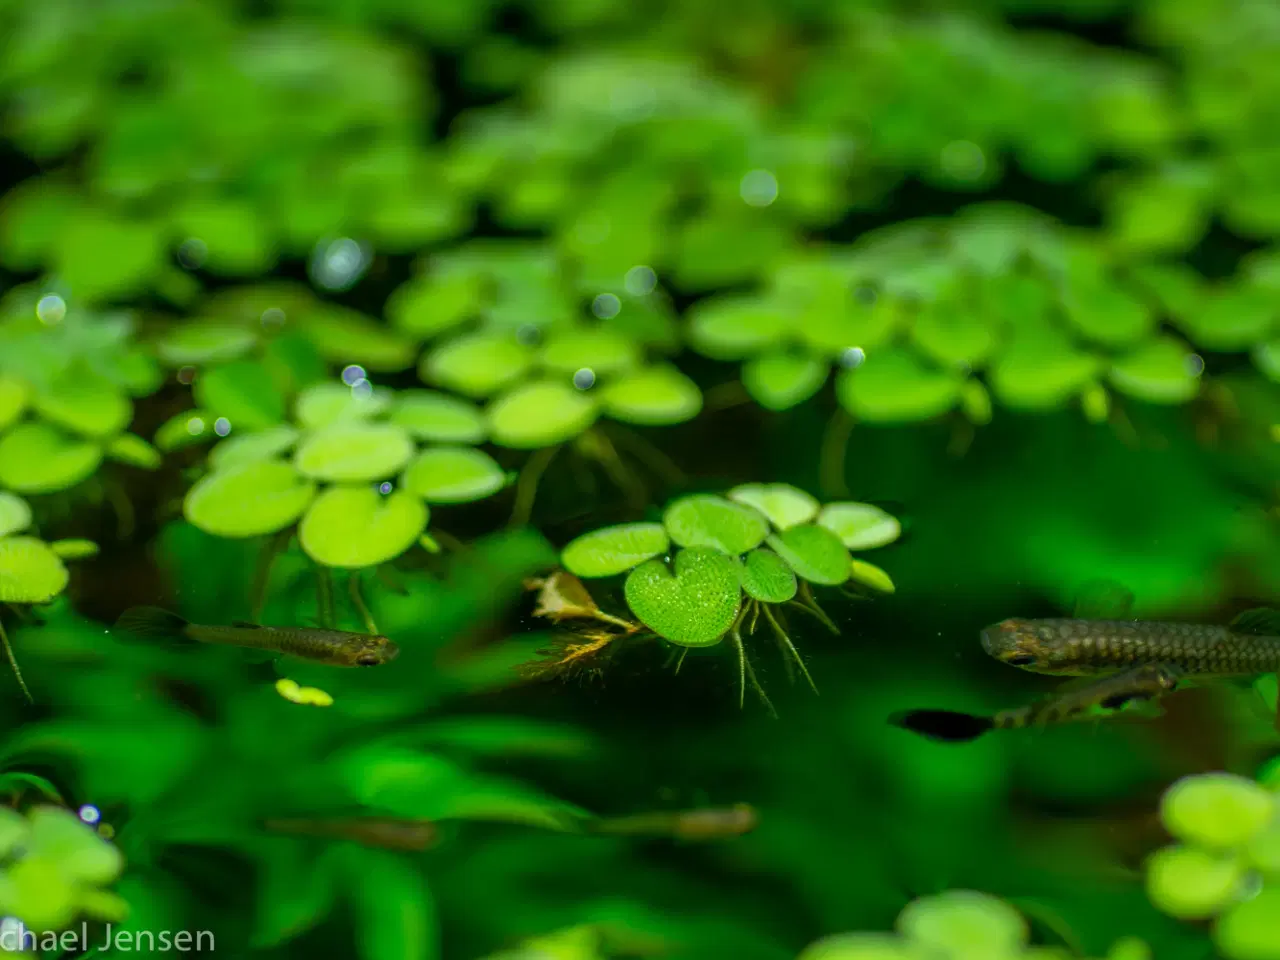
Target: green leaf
{"x": 1235, "y": 318}
{"x": 1221, "y": 811}
{"x": 779, "y": 380}
{"x": 356, "y": 527}
{"x": 736, "y": 327}
{"x": 427, "y": 306}
{"x": 1193, "y": 884}
{"x": 654, "y": 396}
{"x": 324, "y": 404}
{"x": 74, "y": 549}
{"x": 975, "y": 402}
{"x": 860, "y": 526}
{"x": 248, "y": 500}
{"x": 29, "y": 571}
{"x": 101, "y": 257}
{"x": 15, "y": 514}
{"x": 814, "y": 553}
{"x": 251, "y": 447}
{"x": 704, "y": 520}
{"x": 453, "y": 475}
{"x": 696, "y": 606}
{"x": 394, "y": 910}
{"x": 864, "y": 946}
{"x": 784, "y": 505}
{"x": 237, "y": 241}
{"x": 88, "y": 405}
{"x": 349, "y": 452}
{"x": 1160, "y": 371}
{"x": 767, "y": 578}
{"x": 439, "y": 417}
{"x": 132, "y": 449}
{"x": 344, "y": 336}
{"x": 1250, "y": 929}
{"x": 893, "y": 386}
{"x": 184, "y": 429}
{"x": 38, "y": 458}
{"x": 602, "y": 351}
{"x": 612, "y": 550}
{"x": 869, "y": 575}
{"x": 204, "y": 343}
{"x": 1266, "y": 356}
{"x": 540, "y": 414}
{"x": 14, "y": 395}
{"x": 243, "y": 392}
{"x": 33, "y": 216}
{"x": 953, "y": 335}
{"x": 296, "y": 890}
{"x": 1041, "y": 369}
{"x": 84, "y": 856}
{"x": 1106, "y": 314}
{"x": 478, "y": 365}
{"x": 965, "y": 923}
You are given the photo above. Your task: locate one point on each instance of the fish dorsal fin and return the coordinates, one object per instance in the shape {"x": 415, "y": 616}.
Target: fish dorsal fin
{"x": 246, "y": 625}
{"x": 1260, "y": 621}
{"x": 1103, "y": 599}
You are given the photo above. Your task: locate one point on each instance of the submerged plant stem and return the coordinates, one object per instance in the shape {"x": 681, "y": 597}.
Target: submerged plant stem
{"x": 126, "y": 519}
{"x": 13, "y": 662}
{"x": 262, "y": 574}
{"x": 324, "y": 596}
{"x": 650, "y": 454}
{"x": 784, "y": 642}
{"x": 604, "y": 452}
{"x": 527, "y": 485}
{"x": 835, "y": 450}
{"x": 810, "y": 604}
{"x": 357, "y": 598}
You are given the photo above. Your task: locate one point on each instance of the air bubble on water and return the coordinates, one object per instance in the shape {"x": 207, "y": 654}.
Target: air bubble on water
{"x": 853, "y": 357}
{"x": 362, "y": 389}
{"x": 195, "y": 426}
{"x": 90, "y": 814}
{"x": 192, "y": 253}
{"x": 640, "y": 281}
{"x": 384, "y": 488}
{"x": 528, "y": 334}
{"x": 759, "y": 188}
{"x": 272, "y": 317}
{"x": 584, "y": 379}
{"x": 352, "y": 373}
{"x": 222, "y": 426}
{"x": 338, "y": 264}
{"x": 1195, "y": 364}
{"x": 50, "y": 309}
{"x": 606, "y": 306}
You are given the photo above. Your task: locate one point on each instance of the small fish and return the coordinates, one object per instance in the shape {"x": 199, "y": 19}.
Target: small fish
{"x": 1249, "y": 645}
{"x": 715, "y": 823}
{"x": 387, "y": 833}
{"x": 336, "y": 648}
{"x": 1112, "y": 693}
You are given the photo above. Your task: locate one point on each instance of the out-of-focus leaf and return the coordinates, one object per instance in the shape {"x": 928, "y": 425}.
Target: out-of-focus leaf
{"x": 453, "y": 475}
{"x": 29, "y": 571}
{"x": 540, "y": 414}
{"x": 892, "y": 385}
{"x": 296, "y": 890}
{"x": 781, "y": 380}
{"x": 132, "y": 449}
{"x": 658, "y": 395}
{"x": 243, "y": 392}
{"x": 39, "y": 458}
{"x": 15, "y": 514}
{"x": 90, "y": 406}
{"x": 355, "y": 527}
{"x": 394, "y": 910}
{"x": 248, "y": 500}
{"x": 354, "y": 452}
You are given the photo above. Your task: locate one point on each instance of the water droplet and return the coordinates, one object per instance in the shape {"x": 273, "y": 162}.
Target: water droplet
{"x": 584, "y": 379}
{"x": 528, "y": 334}
{"x": 606, "y": 306}
{"x": 362, "y": 389}
{"x": 1195, "y": 364}
{"x": 192, "y": 253}
{"x": 195, "y": 426}
{"x": 640, "y": 281}
{"x": 222, "y": 426}
{"x": 963, "y": 160}
{"x": 90, "y": 814}
{"x": 186, "y": 374}
{"x": 759, "y": 188}
{"x": 50, "y": 309}
{"x": 384, "y": 488}
{"x": 273, "y": 317}
{"x": 852, "y": 357}
{"x": 337, "y": 264}
{"x": 352, "y": 373}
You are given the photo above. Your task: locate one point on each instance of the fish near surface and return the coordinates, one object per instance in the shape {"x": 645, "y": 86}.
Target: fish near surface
{"x": 712, "y": 823}
{"x": 386, "y": 833}
{"x": 335, "y": 648}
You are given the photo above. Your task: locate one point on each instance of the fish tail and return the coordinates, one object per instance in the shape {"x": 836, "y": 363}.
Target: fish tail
{"x": 948, "y": 726}
{"x": 151, "y": 623}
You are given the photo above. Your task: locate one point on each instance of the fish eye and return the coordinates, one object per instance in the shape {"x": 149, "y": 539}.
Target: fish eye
{"x": 1021, "y": 660}
{"x": 367, "y": 660}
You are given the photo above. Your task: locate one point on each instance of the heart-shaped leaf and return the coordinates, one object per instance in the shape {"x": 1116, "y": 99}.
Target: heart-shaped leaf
{"x": 39, "y": 458}
{"x": 251, "y": 447}
{"x": 29, "y": 571}
{"x": 656, "y": 396}
{"x": 705, "y": 520}
{"x": 780, "y": 380}
{"x": 612, "y": 550}
{"x": 453, "y": 475}
{"x": 767, "y": 578}
{"x": 478, "y": 365}
{"x": 785, "y": 506}
{"x": 696, "y": 606}
{"x": 248, "y": 500}
{"x": 325, "y": 404}
{"x": 354, "y": 527}
{"x": 438, "y": 417}
{"x": 814, "y": 553}
{"x": 860, "y": 526}
{"x": 351, "y": 452}
{"x": 15, "y": 514}
{"x": 540, "y": 414}
{"x": 87, "y": 405}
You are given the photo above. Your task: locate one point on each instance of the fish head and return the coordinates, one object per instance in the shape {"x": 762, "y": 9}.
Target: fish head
{"x": 1029, "y": 645}
{"x": 373, "y": 651}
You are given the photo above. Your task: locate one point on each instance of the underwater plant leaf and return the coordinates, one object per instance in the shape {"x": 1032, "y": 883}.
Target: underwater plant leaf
{"x": 975, "y": 402}
{"x": 695, "y": 606}
{"x": 785, "y": 506}
{"x": 74, "y": 549}
{"x": 243, "y": 392}
{"x": 893, "y": 385}
{"x": 324, "y": 404}
{"x": 736, "y": 327}
{"x": 14, "y": 829}
{"x": 500, "y": 736}
{"x": 1162, "y": 370}
{"x": 132, "y": 449}
{"x": 39, "y": 895}
{"x": 14, "y": 396}
{"x": 60, "y": 835}
{"x": 869, "y": 575}
{"x": 235, "y": 238}
{"x": 453, "y": 475}
{"x": 599, "y": 349}
{"x": 184, "y": 430}
{"x": 100, "y": 257}
{"x": 296, "y": 890}
{"x": 356, "y": 527}
{"x": 863, "y": 946}
{"x": 612, "y": 550}
{"x": 767, "y": 578}
{"x": 204, "y": 343}
{"x": 395, "y": 913}
{"x": 88, "y": 405}
{"x": 860, "y": 526}
{"x": 15, "y": 514}
{"x": 780, "y": 380}
{"x": 540, "y": 414}
{"x": 477, "y": 365}
{"x": 429, "y": 305}
{"x": 1250, "y": 928}
{"x": 352, "y": 452}
{"x": 1107, "y": 314}
{"x": 653, "y": 396}
{"x": 705, "y": 520}
{"x": 438, "y": 417}
{"x": 1041, "y": 369}
{"x": 1190, "y": 883}
{"x": 251, "y": 447}
{"x": 39, "y": 458}
{"x": 248, "y": 500}
{"x": 952, "y": 335}
{"x": 814, "y": 553}
{"x": 29, "y": 571}
{"x": 1235, "y": 318}
{"x": 965, "y": 923}
{"x": 344, "y": 336}
{"x": 1218, "y": 811}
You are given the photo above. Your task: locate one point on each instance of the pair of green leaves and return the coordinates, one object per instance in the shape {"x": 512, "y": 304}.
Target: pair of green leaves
{"x": 32, "y": 571}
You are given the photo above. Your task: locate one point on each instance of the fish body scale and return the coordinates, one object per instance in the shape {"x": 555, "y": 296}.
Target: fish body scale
{"x": 309, "y": 645}
{"x": 1194, "y": 648}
